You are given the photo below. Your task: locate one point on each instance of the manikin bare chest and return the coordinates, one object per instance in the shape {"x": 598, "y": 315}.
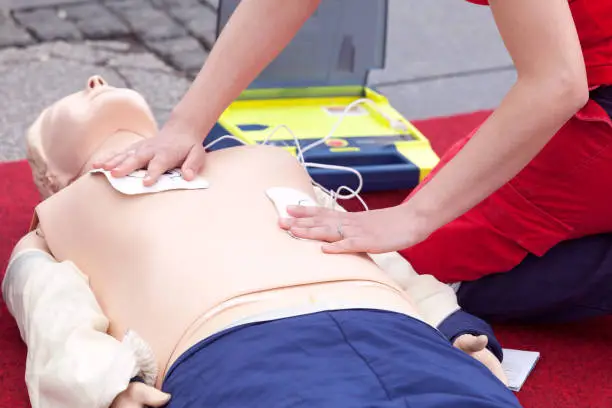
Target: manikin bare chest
{"x": 158, "y": 261}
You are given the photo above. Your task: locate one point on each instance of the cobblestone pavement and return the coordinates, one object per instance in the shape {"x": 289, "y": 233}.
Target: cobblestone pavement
{"x": 449, "y": 60}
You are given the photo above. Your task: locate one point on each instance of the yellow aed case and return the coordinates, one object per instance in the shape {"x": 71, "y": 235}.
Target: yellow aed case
{"x": 308, "y": 87}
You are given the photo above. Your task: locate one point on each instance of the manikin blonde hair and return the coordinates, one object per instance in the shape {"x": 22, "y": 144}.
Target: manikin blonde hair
{"x": 46, "y": 183}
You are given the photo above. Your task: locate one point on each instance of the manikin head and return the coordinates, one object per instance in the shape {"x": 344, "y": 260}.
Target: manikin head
{"x": 68, "y": 135}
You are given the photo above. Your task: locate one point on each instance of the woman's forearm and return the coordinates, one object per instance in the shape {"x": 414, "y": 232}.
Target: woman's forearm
{"x": 543, "y": 42}
{"x": 532, "y": 112}
{"x": 255, "y": 34}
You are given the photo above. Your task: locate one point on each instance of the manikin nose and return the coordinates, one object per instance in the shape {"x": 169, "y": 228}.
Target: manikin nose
{"x": 96, "y": 82}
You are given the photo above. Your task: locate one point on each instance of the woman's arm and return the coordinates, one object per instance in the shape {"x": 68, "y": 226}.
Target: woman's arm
{"x": 542, "y": 40}
{"x": 256, "y": 33}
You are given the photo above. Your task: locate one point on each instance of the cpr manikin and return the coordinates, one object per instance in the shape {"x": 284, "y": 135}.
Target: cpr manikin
{"x": 109, "y": 286}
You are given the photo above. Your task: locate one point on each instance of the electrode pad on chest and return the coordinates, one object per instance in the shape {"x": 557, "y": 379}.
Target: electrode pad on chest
{"x": 170, "y": 180}
{"x": 282, "y": 197}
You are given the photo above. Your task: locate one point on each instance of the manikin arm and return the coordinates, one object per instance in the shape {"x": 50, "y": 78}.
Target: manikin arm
{"x": 71, "y": 360}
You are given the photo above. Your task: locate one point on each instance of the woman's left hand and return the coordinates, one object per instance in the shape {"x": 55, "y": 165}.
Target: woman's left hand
{"x": 375, "y": 231}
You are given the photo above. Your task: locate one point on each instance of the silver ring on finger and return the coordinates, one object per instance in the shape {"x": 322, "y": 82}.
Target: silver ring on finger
{"x": 339, "y": 229}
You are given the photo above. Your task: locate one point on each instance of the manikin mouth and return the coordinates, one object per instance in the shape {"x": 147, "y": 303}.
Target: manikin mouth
{"x": 94, "y": 94}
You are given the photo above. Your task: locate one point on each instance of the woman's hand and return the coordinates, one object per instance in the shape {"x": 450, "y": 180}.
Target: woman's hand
{"x": 376, "y": 231}
{"x": 174, "y": 146}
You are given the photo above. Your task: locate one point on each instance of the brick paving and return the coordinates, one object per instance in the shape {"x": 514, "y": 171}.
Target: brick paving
{"x": 180, "y": 32}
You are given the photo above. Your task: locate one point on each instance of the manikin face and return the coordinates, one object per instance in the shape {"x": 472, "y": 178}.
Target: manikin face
{"x": 70, "y": 131}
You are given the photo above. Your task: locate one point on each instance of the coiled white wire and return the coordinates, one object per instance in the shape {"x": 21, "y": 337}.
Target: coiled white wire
{"x": 335, "y": 195}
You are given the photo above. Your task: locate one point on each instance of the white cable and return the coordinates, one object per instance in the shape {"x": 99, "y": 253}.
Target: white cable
{"x": 300, "y": 153}
{"x": 356, "y": 195}
{"x": 392, "y": 122}
{"x": 335, "y": 195}
{"x": 332, "y": 167}
{"x": 214, "y": 142}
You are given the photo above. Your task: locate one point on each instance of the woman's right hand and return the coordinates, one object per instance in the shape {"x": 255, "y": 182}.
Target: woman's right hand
{"x": 173, "y": 147}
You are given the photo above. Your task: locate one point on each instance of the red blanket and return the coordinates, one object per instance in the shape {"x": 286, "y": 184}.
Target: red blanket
{"x": 575, "y": 370}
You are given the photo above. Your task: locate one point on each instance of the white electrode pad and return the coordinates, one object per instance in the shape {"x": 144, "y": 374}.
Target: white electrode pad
{"x": 170, "y": 180}
{"x": 282, "y": 197}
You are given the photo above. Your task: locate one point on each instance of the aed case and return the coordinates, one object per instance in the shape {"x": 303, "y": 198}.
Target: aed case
{"x": 308, "y": 86}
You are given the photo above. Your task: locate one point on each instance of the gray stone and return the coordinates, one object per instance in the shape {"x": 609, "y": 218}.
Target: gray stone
{"x": 145, "y": 21}
{"x": 199, "y": 20}
{"x": 162, "y": 91}
{"x": 449, "y": 95}
{"x": 95, "y": 21}
{"x": 212, "y": 3}
{"x": 119, "y": 46}
{"x": 441, "y": 37}
{"x": 12, "y": 56}
{"x": 11, "y": 34}
{"x": 144, "y": 61}
{"x": 47, "y": 25}
{"x": 77, "y": 52}
{"x": 185, "y": 54}
{"x": 31, "y": 4}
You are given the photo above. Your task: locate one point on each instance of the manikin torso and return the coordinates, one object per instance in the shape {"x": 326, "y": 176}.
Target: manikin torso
{"x": 158, "y": 262}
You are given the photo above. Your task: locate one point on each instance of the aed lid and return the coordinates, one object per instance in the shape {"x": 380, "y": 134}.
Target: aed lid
{"x": 337, "y": 46}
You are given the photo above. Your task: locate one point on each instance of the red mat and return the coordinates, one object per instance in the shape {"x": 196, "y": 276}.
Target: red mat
{"x": 575, "y": 370}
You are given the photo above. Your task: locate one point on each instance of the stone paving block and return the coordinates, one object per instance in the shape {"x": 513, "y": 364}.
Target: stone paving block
{"x": 147, "y": 23}
{"x": 95, "y": 21}
{"x": 144, "y": 61}
{"x": 78, "y": 52}
{"x": 449, "y": 96}
{"x": 47, "y": 25}
{"x": 11, "y": 34}
{"x": 31, "y": 4}
{"x": 213, "y": 3}
{"x": 186, "y": 54}
{"x": 161, "y": 91}
{"x": 200, "y": 20}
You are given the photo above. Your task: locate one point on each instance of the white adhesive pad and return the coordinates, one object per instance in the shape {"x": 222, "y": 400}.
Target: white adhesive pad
{"x": 170, "y": 180}
{"x": 283, "y": 197}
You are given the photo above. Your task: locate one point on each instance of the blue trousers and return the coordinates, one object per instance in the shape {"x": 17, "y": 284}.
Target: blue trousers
{"x": 571, "y": 281}
{"x": 336, "y": 359}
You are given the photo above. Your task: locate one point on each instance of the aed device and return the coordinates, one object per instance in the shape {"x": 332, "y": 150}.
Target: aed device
{"x": 309, "y": 86}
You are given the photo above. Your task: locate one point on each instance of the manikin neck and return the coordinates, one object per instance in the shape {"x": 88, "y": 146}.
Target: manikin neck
{"x": 115, "y": 143}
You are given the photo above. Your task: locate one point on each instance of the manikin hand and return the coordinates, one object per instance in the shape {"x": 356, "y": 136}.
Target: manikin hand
{"x": 374, "y": 232}
{"x": 475, "y": 346}
{"x": 174, "y": 146}
{"x": 139, "y": 395}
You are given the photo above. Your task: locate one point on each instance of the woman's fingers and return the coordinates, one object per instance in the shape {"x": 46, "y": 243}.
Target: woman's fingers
{"x": 112, "y": 162}
{"x": 133, "y": 161}
{"x": 194, "y": 162}
{"x": 158, "y": 165}
{"x": 318, "y": 233}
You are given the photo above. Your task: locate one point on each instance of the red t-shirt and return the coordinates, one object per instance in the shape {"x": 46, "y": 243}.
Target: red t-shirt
{"x": 593, "y": 20}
